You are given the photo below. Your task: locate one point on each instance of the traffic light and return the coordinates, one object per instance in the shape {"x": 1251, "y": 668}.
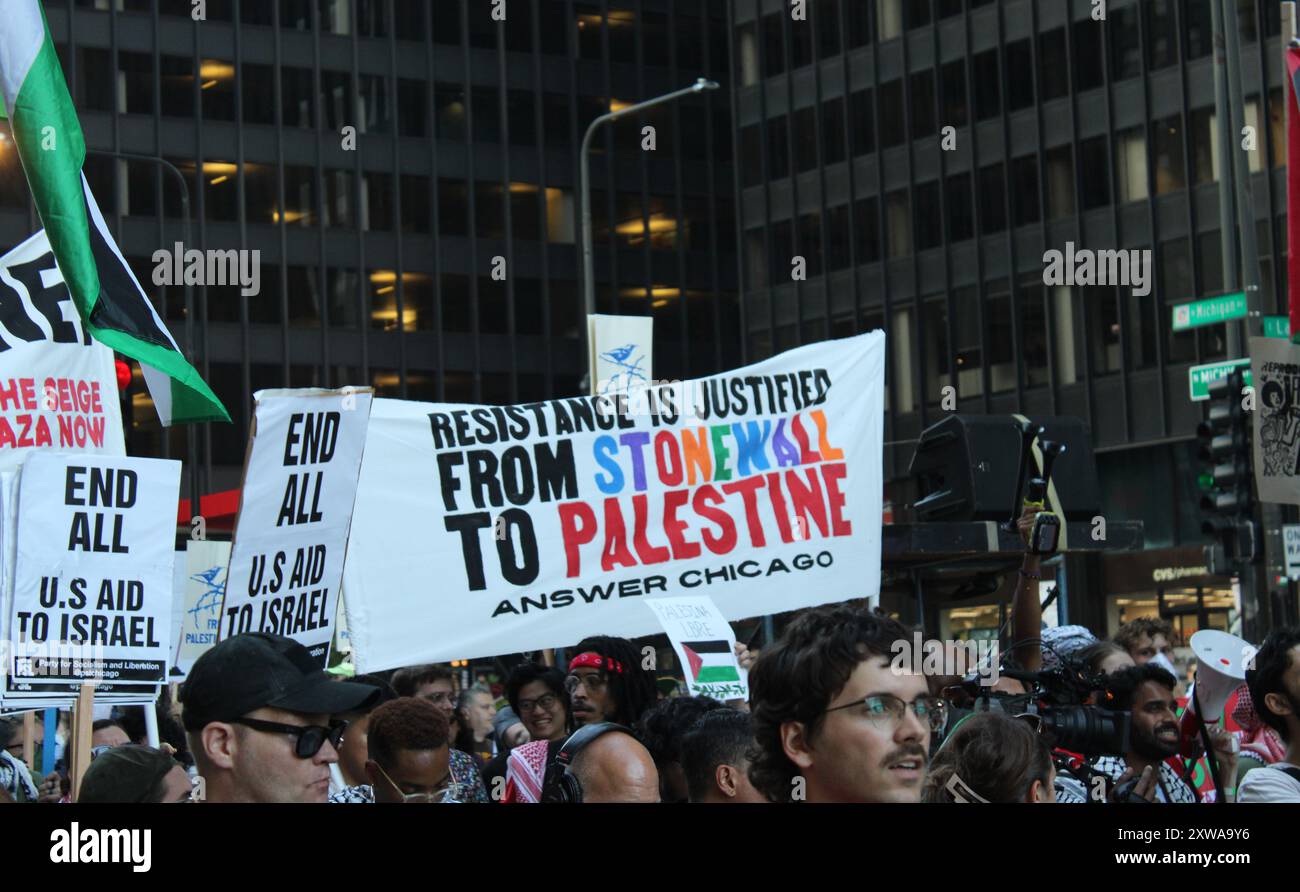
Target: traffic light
{"x": 1227, "y": 502}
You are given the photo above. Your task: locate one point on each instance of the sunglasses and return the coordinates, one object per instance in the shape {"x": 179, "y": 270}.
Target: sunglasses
{"x": 310, "y": 738}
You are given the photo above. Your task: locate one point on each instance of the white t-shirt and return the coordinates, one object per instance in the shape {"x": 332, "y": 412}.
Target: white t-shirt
{"x": 1269, "y": 784}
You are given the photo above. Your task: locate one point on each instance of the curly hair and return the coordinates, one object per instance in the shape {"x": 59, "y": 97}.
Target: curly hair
{"x": 719, "y": 737}
{"x": 407, "y": 723}
{"x": 634, "y": 688}
{"x": 1128, "y": 635}
{"x": 662, "y": 727}
{"x": 1265, "y": 676}
{"x": 796, "y": 678}
{"x": 1123, "y": 685}
{"x": 995, "y": 756}
{"x": 409, "y": 680}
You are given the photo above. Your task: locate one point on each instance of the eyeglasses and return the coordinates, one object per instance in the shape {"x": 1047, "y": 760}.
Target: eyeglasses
{"x": 310, "y": 738}
{"x": 451, "y": 793}
{"x": 439, "y": 697}
{"x": 592, "y": 682}
{"x": 886, "y": 710}
{"x": 546, "y": 702}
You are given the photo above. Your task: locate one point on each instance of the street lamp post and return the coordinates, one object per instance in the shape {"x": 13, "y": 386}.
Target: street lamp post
{"x": 588, "y": 263}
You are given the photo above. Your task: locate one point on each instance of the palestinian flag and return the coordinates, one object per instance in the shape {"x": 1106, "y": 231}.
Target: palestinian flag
{"x": 111, "y": 303}
{"x": 1293, "y": 189}
{"x": 711, "y": 661}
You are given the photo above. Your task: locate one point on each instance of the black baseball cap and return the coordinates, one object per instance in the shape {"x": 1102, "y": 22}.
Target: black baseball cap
{"x": 252, "y": 670}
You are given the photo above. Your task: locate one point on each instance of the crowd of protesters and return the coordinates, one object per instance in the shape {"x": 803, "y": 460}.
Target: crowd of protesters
{"x": 831, "y": 717}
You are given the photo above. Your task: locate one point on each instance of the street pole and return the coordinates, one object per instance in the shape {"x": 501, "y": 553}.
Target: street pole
{"x": 191, "y": 431}
{"x": 588, "y": 262}
{"x": 1226, "y": 143}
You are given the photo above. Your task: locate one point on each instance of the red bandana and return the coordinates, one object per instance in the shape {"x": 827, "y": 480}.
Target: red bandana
{"x": 594, "y": 660}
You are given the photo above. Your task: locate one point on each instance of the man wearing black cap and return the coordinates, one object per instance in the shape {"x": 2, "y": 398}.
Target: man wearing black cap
{"x": 132, "y": 773}
{"x": 257, "y": 713}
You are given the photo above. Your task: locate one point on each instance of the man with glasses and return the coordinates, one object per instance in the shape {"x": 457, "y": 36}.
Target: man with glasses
{"x": 833, "y": 721}
{"x": 429, "y": 682}
{"x": 607, "y": 684}
{"x": 410, "y": 760}
{"x": 257, "y": 714}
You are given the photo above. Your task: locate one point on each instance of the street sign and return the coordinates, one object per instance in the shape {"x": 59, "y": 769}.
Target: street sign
{"x": 1277, "y": 327}
{"x": 1200, "y": 377}
{"x": 1210, "y": 311}
{"x": 1291, "y": 539}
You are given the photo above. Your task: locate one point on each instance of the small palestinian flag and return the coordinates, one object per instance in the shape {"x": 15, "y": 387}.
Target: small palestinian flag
{"x": 711, "y": 661}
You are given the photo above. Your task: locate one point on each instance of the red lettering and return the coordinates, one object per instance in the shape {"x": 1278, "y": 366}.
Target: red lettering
{"x": 668, "y": 459}
{"x": 807, "y": 500}
{"x": 725, "y": 540}
{"x": 577, "y": 527}
{"x": 674, "y": 528}
{"x": 615, "y": 550}
{"x": 28, "y": 388}
{"x": 94, "y": 397}
{"x": 83, "y": 396}
{"x": 748, "y": 489}
{"x": 6, "y": 434}
{"x": 43, "y": 432}
{"x": 65, "y": 395}
{"x": 97, "y": 432}
{"x": 649, "y": 554}
{"x": 779, "y": 507}
{"x": 9, "y": 395}
{"x": 833, "y": 474}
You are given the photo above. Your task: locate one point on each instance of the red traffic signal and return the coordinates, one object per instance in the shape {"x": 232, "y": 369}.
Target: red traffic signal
{"x": 123, "y": 373}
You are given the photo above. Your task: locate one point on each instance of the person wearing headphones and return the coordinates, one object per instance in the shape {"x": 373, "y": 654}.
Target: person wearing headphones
{"x": 601, "y": 762}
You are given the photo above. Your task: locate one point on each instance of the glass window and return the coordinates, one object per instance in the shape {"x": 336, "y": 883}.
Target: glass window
{"x": 296, "y": 92}
{"x": 810, "y": 242}
{"x": 1053, "y": 75}
{"x": 1167, "y": 154}
{"x": 953, "y": 79}
{"x": 889, "y": 18}
{"x": 864, "y": 128}
{"x": 338, "y": 198}
{"x": 1033, "y": 332}
{"x": 449, "y": 100}
{"x": 988, "y": 101}
{"x": 1205, "y": 146}
{"x": 259, "y": 102}
{"x": 1162, "y": 34}
{"x": 922, "y": 88}
{"x": 1020, "y": 75}
{"x": 1198, "y": 27}
{"x": 934, "y": 335}
{"x": 859, "y": 15}
{"x": 176, "y": 86}
{"x": 928, "y": 232}
{"x": 832, "y": 130}
{"x": 416, "y": 215}
{"x": 412, "y": 107}
{"x": 992, "y": 186}
{"x": 1094, "y": 173}
{"x": 899, "y": 217}
{"x": 773, "y": 45}
{"x": 837, "y": 237}
{"x": 1125, "y": 50}
{"x": 866, "y": 220}
{"x": 217, "y": 89}
{"x": 1088, "y": 63}
{"x": 335, "y": 89}
{"x": 778, "y": 151}
{"x": 373, "y": 110}
{"x": 1131, "y": 164}
{"x": 1101, "y": 304}
{"x": 805, "y": 139}
{"x": 892, "y": 131}
{"x": 1024, "y": 190}
{"x": 827, "y": 13}
{"x": 1001, "y": 340}
{"x": 961, "y": 208}
{"x": 1060, "y": 182}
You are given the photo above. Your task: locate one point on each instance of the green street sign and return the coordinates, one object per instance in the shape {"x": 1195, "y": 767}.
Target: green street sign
{"x": 1277, "y": 327}
{"x": 1210, "y": 311}
{"x": 1200, "y": 377}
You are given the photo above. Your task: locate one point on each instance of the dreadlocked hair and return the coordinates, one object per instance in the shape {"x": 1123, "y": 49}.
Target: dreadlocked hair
{"x": 634, "y": 688}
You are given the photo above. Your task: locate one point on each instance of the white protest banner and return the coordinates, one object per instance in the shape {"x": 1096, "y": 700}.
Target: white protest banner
{"x": 1275, "y": 375}
{"x": 58, "y": 387}
{"x": 202, "y": 589}
{"x": 93, "y": 578}
{"x": 621, "y": 352}
{"x": 705, "y": 644}
{"x": 294, "y": 514}
{"x": 483, "y": 530}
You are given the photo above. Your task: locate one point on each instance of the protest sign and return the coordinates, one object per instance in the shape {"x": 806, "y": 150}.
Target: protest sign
{"x": 203, "y": 586}
{"x": 706, "y": 646}
{"x": 621, "y": 352}
{"x": 93, "y": 575}
{"x": 294, "y": 512}
{"x": 1275, "y": 375}
{"x": 58, "y": 387}
{"x": 484, "y": 530}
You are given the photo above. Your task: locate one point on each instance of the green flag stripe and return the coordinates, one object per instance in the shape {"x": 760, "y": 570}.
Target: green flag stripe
{"x": 717, "y": 673}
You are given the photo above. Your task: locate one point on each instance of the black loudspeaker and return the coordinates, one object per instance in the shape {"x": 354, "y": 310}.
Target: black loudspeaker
{"x": 966, "y": 468}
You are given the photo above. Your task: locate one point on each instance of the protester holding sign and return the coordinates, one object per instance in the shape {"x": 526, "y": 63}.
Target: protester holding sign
{"x": 257, "y": 710}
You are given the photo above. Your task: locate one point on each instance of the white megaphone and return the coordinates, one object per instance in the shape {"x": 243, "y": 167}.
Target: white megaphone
{"x": 1221, "y": 663}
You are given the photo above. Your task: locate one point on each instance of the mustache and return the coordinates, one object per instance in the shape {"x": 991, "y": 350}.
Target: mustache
{"x": 908, "y": 751}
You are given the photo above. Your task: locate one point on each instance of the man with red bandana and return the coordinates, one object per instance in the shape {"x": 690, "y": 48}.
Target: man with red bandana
{"x": 607, "y": 682}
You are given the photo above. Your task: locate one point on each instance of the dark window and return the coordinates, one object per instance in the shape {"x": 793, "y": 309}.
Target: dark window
{"x": 992, "y": 186}
{"x": 1024, "y": 190}
{"x": 453, "y": 207}
{"x": 778, "y": 151}
{"x": 859, "y": 15}
{"x": 412, "y": 108}
{"x": 988, "y": 102}
{"x": 1053, "y": 76}
{"x": 296, "y": 92}
{"x": 1020, "y": 75}
{"x": 217, "y": 88}
{"x": 773, "y": 45}
{"x": 751, "y": 157}
{"x": 864, "y": 128}
{"x": 1125, "y": 50}
{"x": 837, "y": 237}
{"x": 953, "y": 79}
{"x": 827, "y": 13}
{"x": 801, "y": 44}
{"x": 805, "y": 139}
{"x": 916, "y": 13}
{"x": 94, "y": 90}
{"x": 1198, "y": 27}
{"x": 176, "y": 87}
{"x": 449, "y": 103}
{"x": 373, "y": 109}
{"x": 1060, "y": 182}
{"x": 520, "y": 118}
{"x": 892, "y": 130}
{"x": 810, "y": 242}
{"x": 922, "y": 86}
{"x": 927, "y": 222}
{"x": 259, "y": 101}
{"x": 866, "y": 220}
{"x": 833, "y": 130}
{"x": 1088, "y": 66}
{"x": 1167, "y": 154}
{"x": 1094, "y": 173}
{"x": 961, "y": 209}
{"x": 1162, "y": 34}
{"x": 415, "y": 203}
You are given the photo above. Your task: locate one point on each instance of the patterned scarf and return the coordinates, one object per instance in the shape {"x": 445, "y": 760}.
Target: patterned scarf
{"x": 525, "y": 772}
